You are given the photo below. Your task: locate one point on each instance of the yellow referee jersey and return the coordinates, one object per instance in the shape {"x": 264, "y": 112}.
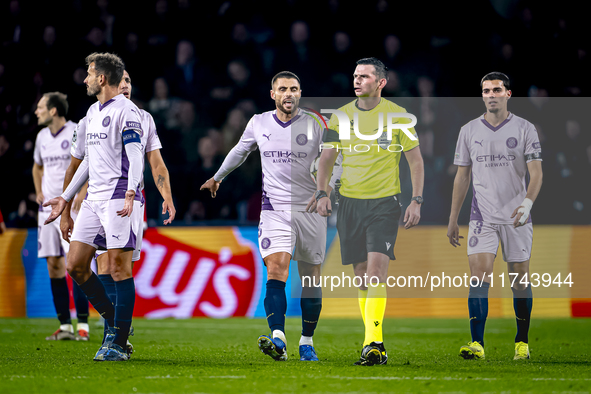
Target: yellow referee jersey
{"x": 370, "y": 168}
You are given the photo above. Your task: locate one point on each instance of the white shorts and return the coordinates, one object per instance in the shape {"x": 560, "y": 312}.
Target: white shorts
{"x": 301, "y": 234}
{"x": 99, "y": 226}
{"x": 138, "y": 241}
{"x": 49, "y": 237}
{"x": 516, "y": 243}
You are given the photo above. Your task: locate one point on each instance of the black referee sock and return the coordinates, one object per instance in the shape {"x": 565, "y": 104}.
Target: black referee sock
{"x": 61, "y": 299}
{"x": 311, "y": 303}
{"x": 522, "y": 304}
{"x": 97, "y": 296}
{"x": 275, "y": 305}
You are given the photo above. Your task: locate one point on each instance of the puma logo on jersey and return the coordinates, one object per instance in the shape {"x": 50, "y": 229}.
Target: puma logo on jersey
{"x": 388, "y": 245}
{"x": 479, "y": 143}
{"x": 116, "y": 236}
{"x": 267, "y": 136}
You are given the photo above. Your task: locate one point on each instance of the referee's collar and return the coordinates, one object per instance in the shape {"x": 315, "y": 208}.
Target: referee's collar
{"x": 361, "y": 109}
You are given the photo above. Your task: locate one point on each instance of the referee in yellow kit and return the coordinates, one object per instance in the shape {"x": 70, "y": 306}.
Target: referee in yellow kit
{"x": 370, "y": 208}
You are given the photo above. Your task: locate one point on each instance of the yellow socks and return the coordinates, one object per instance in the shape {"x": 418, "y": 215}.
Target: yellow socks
{"x": 375, "y": 308}
{"x": 362, "y": 297}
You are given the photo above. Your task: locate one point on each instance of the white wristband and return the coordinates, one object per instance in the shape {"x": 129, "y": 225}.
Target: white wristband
{"x": 525, "y": 208}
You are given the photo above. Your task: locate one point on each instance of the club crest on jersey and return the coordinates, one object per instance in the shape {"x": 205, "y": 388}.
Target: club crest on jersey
{"x": 265, "y": 243}
{"x": 511, "y": 142}
{"x": 473, "y": 241}
{"x": 383, "y": 141}
{"x": 302, "y": 139}
{"x": 65, "y": 144}
{"x": 106, "y": 121}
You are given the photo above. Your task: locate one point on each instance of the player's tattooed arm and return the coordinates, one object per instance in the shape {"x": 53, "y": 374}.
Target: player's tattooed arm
{"x": 162, "y": 181}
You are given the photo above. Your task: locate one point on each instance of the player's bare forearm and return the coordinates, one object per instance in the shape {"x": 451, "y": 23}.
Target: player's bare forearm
{"x": 325, "y": 166}
{"x": 535, "y": 179}
{"x": 162, "y": 181}
{"x": 72, "y": 168}
{"x": 37, "y": 176}
{"x": 461, "y": 185}
{"x": 160, "y": 174}
{"x": 417, "y": 170}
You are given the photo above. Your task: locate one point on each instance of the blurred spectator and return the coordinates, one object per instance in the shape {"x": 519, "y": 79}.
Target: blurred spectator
{"x": 25, "y": 216}
{"x": 162, "y": 106}
{"x": 233, "y": 128}
{"x": 207, "y": 165}
{"x": 187, "y": 78}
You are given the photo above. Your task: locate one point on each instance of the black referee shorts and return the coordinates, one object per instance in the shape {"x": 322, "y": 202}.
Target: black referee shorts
{"x": 367, "y": 226}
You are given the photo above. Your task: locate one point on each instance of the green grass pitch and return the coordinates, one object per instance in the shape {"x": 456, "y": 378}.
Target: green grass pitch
{"x": 211, "y": 356}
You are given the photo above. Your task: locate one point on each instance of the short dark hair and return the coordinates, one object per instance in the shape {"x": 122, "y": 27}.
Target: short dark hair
{"x": 494, "y": 76}
{"x": 57, "y": 100}
{"x": 284, "y": 74}
{"x": 108, "y": 64}
{"x": 381, "y": 69}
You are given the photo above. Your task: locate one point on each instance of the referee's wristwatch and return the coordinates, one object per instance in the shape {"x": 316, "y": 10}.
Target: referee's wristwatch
{"x": 418, "y": 199}
{"x": 319, "y": 194}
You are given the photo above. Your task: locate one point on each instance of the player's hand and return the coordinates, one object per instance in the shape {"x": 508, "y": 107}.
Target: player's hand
{"x": 324, "y": 207}
{"x": 66, "y": 227}
{"x": 311, "y": 207}
{"x": 57, "y": 207}
{"x": 39, "y": 198}
{"x": 128, "y": 205}
{"x": 453, "y": 233}
{"x": 212, "y": 185}
{"x": 168, "y": 206}
{"x": 2, "y": 228}
{"x": 518, "y": 214}
{"x": 412, "y": 216}
{"x": 77, "y": 203}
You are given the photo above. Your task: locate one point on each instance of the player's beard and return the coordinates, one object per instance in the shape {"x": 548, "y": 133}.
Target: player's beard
{"x": 93, "y": 90}
{"x": 294, "y": 106}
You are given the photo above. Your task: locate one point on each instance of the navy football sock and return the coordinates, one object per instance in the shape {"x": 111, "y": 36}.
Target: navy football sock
{"x": 522, "y": 304}
{"x": 61, "y": 299}
{"x": 124, "y": 310}
{"x": 97, "y": 296}
{"x": 275, "y": 304}
{"x": 109, "y": 285}
{"x": 478, "y": 308}
{"x": 81, "y": 303}
{"x": 311, "y": 303}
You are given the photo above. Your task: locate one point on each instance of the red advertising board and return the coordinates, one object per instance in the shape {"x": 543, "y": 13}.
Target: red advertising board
{"x": 180, "y": 279}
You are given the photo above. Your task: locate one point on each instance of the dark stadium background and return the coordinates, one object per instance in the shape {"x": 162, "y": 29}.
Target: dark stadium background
{"x": 202, "y": 69}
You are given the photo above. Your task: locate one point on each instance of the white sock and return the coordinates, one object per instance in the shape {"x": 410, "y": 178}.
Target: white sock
{"x": 82, "y": 326}
{"x": 306, "y": 341}
{"x": 279, "y": 334}
{"x": 67, "y": 327}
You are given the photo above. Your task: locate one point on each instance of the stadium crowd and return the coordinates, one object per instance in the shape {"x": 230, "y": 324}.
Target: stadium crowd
{"x": 202, "y": 69}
